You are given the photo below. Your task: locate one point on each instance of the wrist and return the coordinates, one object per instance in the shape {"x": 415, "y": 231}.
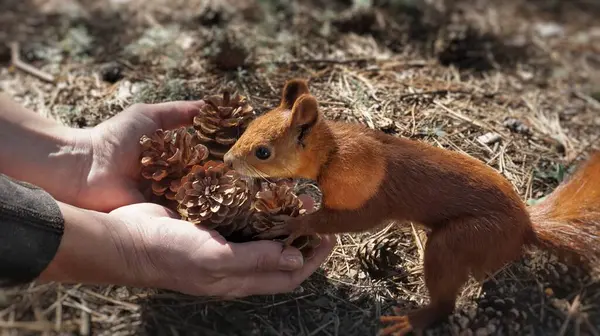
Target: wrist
{"x": 43, "y": 152}
{"x": 66, "y": 164}
{"x": 96, "y": 248}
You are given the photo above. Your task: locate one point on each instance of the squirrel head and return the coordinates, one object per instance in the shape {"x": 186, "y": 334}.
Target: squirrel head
{"x": 283, "y": 142}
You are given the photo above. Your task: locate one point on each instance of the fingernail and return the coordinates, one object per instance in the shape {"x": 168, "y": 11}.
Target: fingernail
{"x": 290, "y": 260}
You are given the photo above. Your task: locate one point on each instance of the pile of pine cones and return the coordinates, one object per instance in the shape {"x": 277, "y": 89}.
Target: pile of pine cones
{"x": 186, "y": 171}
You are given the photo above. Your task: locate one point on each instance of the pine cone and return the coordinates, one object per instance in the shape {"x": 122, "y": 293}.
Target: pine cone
{"x": 378, "y": 256}
{"x": 167, "y": 156}
{"x": 274, "y": 204}
{"x": 221, "y": 121}
{"x": 230, "y": 50}
{"x": 214, "y": 196}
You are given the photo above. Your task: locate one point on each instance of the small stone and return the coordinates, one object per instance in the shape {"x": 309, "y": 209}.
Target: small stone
{"x": 514, "y": 312}
{"x": 359, "y": 21}
{"x": 499, "y": 302}
{"x": 122, "y": 293}
{"x": 549, "y": 29}
{"x": 111, "y": 72}
{"x": 525, "y": 75}
{"x": 481, "y": 332}
{"x": 562, "y": 268}
{"x": 491, "y": 329}
{"x": 386, "y": 124}
{"x": 299, "y": 290}
{"x": 463, "y": 321}
{"x": 516, "y": 125}
{"x": 4, "y": 301}
{"x": 489, "y": 138}
{"x": 472, "y": 313}
{"x": 467, "y": 332}
{"x": 212, "y": 16}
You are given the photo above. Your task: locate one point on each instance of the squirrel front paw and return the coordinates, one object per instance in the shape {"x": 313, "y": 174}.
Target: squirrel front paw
{"x": 292, "y": 228}
{"x": 274, "y": 232}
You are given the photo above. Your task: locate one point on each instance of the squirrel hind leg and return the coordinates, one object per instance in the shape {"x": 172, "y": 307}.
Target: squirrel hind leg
{"x": 477, "y": 246}
{"x": 445, "y": 274}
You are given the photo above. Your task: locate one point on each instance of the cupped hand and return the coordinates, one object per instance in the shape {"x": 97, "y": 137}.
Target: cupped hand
{"x": 177, "y": 255}
{"x": 112, "y": 177}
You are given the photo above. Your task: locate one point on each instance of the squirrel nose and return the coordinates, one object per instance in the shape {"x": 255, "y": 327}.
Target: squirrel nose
{"x": 228, "y": 159}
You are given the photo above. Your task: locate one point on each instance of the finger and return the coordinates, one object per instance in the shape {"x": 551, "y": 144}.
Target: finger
{"x": 277, "y": 282}
{"x": 161, "y": 211}
{"x": 150, "y": 210}
{"x": 170, "y": 115}
{"x": 257, "y": 256}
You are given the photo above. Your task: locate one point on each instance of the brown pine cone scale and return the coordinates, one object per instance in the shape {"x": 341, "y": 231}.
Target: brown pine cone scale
{"x": 221, "y": 121}
{"x": 212, "y": 195}
{"x": 274, "y": 204}
{"x": 167, "y": 156}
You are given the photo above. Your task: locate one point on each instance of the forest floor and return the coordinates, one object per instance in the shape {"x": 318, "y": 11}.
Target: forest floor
{"x": 513, "y": 83}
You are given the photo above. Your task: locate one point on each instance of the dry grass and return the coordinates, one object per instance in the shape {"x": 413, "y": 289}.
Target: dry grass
{"x": 475, "y": 78}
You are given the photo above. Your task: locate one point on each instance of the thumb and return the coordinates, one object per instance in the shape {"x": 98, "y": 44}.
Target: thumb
{"x": 170, "y": 115}
{"x": 148, "y": 209}
{"x": 260, "y": 256}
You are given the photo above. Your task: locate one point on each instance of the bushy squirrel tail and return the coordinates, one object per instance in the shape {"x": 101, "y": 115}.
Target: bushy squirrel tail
{"x": 567, "y": 222}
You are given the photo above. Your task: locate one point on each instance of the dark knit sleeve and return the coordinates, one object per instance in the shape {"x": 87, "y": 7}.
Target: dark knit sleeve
{"x": 31, "y": 229}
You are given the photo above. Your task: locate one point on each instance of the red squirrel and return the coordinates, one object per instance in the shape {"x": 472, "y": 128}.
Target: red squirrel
{"x": 477, "y": 221}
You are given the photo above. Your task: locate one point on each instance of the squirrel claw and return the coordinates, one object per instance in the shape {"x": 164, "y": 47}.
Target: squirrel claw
{"x": 290, "y": 238}
{"x": 400, "y": 327}
{"x": 276, "y": 231}
{"x": 291, "y": 229}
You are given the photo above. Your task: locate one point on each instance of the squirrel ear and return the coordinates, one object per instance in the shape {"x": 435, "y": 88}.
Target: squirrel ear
{"x": 293, "y": 89}
{"x": 305, "y": 111}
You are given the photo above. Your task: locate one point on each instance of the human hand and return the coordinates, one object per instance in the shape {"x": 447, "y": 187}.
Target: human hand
{"x": 177, "y": 255}
{"x": 144, "y": 245}
{"x": 111, "y": 178}
{"x": 95, "y": 168}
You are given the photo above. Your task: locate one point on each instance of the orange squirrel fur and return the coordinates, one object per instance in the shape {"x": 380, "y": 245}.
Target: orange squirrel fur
{"x": 478, "y": 222}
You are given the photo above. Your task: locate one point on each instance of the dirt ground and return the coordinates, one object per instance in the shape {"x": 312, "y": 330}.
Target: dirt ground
{"x": 514, "y": 83}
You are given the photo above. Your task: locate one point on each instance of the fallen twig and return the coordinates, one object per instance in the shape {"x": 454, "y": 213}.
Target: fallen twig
{"x": 39, "y": 326}
{"x": 591, "y": 101}
{"x": 573, "y": 310}
{"x": 315, "y": 60}
{"x": 460, "y": 116}
{"x": 21, "y": 65}
{"x": 435, "y": 92}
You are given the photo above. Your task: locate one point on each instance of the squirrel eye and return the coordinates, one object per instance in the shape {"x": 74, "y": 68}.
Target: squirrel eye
{"x": 262, "y": 153}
